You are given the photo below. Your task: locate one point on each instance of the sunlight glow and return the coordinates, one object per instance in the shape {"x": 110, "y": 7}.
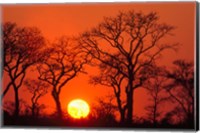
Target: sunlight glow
{"x": 78, "y": 108}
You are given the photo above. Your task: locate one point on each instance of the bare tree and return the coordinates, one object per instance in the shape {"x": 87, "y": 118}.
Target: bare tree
{"x": 112, "y": 78}
{"x": 181, "y": 88}
{"x": 38, "y": 89}
{"x": 9, "y": 106}
{"x": 127, "y": 43}
{"x": 155, "y": 86}
{"x": 105, "y": 109}
{"x": 22, "y": 48}
{"x": 64, "y": 64}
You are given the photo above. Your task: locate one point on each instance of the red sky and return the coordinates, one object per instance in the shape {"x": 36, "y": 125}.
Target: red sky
{"x": 55, "y": 20}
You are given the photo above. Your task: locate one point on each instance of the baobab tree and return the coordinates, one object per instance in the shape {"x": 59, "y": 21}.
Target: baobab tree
{"x": 181, "y": 88}
{"x": 38, "y": 89}
{"x": 64, "y": 63}
{"x": 22, "y": 49}
{"x": 127, "y": 44}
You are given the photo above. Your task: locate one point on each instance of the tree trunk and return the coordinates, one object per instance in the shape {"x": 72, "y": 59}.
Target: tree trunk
{"x": 129, "y": 93}
{"x": 16, "y": 113}
{"x": 122, "y": 116}
{"x": 154, "y": 120}
{"x": 129, "y": 106}
{"x": 33, "y": 110}
{"x": 154, "y": 114}
{"x": 58, "y": 105}
{"x": 121, "y": 109}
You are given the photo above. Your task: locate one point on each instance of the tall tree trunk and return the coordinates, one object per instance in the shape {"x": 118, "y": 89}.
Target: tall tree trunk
{"x": 129, "y": 106}
{"x": 58, "y": 105}
{"x": 16, "y": 113}
{"x": 129, "y": 93}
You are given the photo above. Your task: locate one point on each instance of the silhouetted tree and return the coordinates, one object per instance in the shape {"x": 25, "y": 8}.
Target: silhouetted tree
{"x": 104, "y": 111}
{"x": 22, "y": 49}
{"x": 38, "y": 89}
{"x": 181, "y": 88}
{"x": 111, "y": 78}
{"x": 155, "y": 86}
{"x": 9, "y": 106}
{"x": 127, "y": 43}
{"x": 64, "y": 63}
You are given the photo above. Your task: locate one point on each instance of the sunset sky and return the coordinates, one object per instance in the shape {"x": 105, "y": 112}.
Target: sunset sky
{"x": 55, "y": 20}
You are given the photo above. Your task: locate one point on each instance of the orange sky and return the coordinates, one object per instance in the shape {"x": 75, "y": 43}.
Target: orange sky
{"x": 55, "y": 20}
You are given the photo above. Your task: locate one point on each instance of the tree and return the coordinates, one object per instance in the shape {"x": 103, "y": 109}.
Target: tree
{"x": 9, "y": 107}
{"x": 181, "y": 88}
{"x": 64, "y": 63}
{"x": 111, "y": 78}
{"x": 127, "y": 44}
{"x": 155, "y": 86}
{"x": 22, "y": 48}
{"x": 104, "y": 111}
{"x": 38, "y": 89}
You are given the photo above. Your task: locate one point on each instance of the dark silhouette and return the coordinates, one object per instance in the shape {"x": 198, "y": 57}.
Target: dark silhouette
{"x": 22, "y": 49}
{"x": 126, "y": 44}
{"x": 105, "y": 109}
{"x": 64, "y": 63}
{"x": 181, "y": 88}
{"x": 9, "y": 107}
{"x": 155, "y": 86}
{"x": 38, "y": 89}
{"x": 112, "y": 78}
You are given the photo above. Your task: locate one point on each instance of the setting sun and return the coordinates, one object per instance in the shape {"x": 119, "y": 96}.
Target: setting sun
{"x": 78, "y": 108}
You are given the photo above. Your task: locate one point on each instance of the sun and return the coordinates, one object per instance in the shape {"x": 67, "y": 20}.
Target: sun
{"x": 78, "y": 108}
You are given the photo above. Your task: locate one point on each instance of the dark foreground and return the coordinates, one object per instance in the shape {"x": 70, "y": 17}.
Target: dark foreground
{"x": 89, "y": 123}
